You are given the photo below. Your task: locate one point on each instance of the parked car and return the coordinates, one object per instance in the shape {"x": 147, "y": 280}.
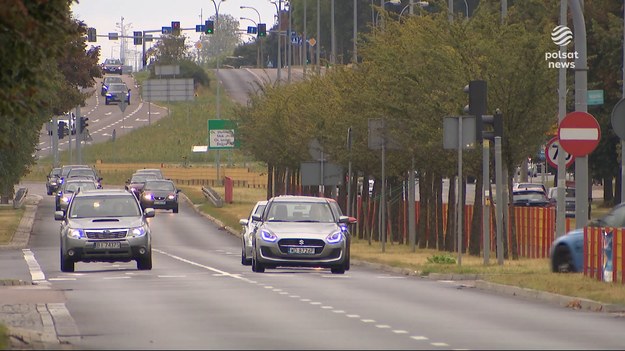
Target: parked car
{"x": 569, "y": 198}
{"x": 136, "y": 182}
{"x": 105, "y": 225}
{"x": 159, "y": 194}
{"x": 300, "y": 231}
{"x": 71, "y": 185}
{"x": 529, "y": 186}
{"x": 52, "y": 181}
{"x": 117, "y": 92}
{"x": 156, "y": 171}
{"x": 108, "y": 81}
{"x": 249, "y": 225}
{"x": 111, "y": 65}
{"x": 567, "y": 252}
{"x": 529, "y": 197}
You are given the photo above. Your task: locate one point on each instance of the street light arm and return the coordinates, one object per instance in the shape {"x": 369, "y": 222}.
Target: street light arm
{"x": 252, "y": 8}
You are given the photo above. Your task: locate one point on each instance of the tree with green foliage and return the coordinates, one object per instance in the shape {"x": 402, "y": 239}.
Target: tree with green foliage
{"x": 45, "y": 62}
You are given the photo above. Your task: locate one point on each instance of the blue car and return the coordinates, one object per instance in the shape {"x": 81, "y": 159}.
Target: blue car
{"x": 567, "y": 251}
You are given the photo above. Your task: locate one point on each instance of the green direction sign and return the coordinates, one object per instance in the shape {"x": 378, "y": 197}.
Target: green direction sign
{"x": 595, "y": 97}
{"x": 221, "y": 134}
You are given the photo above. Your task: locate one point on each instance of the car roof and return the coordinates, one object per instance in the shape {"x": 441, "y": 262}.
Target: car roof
{"x": 100, "y": 192}
{"x": 298, "y": 198}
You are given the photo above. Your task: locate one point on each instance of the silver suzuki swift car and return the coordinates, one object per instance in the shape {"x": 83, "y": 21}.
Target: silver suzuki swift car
{"x": 300, "y": 231}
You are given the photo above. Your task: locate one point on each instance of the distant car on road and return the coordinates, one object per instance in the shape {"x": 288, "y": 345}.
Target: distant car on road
{"x": 111, "y": 65}
{"x": 117, "y": 92}
{"x": 249, "y": 225}
{"x": 137, "y": 181}
{"x": 569, "y": 198}
{"x": 52, "y": 181}
{"x": 105, "y": 225}
{"x": 159, "y": 194}
{"x": 108, "y": 81}
{"x": 69, "y": 187}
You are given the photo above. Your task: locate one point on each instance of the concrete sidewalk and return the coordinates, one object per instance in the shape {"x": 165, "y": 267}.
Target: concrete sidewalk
{"x": 34, "y": 313}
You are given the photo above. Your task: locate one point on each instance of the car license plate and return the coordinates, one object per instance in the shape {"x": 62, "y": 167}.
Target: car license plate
{"x": 108, "y": 245}
{"x": 159, "y": 202}
{"x": 302, "y": 250}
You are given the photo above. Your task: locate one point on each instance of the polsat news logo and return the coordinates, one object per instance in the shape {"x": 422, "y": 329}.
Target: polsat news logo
{"x": 561, "y": 36}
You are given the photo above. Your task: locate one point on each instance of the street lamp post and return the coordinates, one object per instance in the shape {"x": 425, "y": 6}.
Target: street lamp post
{"x": 218, "y": 51}
{"x": 259, "y": 39}
{"x": 278, "y": 10}
{"x": 411, "y": 5}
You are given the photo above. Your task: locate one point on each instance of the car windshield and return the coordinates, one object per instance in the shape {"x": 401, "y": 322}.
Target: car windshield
{"x": 528, "y": 196}
{"x": 300, "y": 212}
{"x": 109, "y": 206}
{"x": 117, "y": 88}
{"x": 112, "y": 62}
{"x": 167, "y": 186}
{"x": 111, "y": 80}
{"x": 141, "y": 178}
{"x": 73, "y": 186}
{"x": 81, "y": 172}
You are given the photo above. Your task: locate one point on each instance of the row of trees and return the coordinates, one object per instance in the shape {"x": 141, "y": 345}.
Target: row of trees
{"x": 412, "y": 74}
{"x": 45, "y": 64}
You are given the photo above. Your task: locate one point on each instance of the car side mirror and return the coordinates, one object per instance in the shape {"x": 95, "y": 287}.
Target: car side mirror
{"x": 59, "y": 215}
{"x": 256, "y": 217}
{"x": 149, "y": 212}
{"x": 243, "y": 221}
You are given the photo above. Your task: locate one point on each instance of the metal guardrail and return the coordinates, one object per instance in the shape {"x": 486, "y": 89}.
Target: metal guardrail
{"x": 20, "y": 196}
{"x": 212, "y": 196}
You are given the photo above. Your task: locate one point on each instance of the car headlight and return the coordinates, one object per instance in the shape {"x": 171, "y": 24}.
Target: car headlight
{"x": 148, "y": 196}
{"x": 75, "y": 233}
{"x": 171, "y": 196}
{"x": 268, "y": 236}
{"x": 109, "y": 94}
{"x": 65, "y": 199}
{"x": 138, "y": 231}
{"x": 52, "y": 183}
{"x": 334, "y": 237}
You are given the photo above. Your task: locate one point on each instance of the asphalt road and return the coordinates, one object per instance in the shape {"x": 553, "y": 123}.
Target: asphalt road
{"x": 105, "y": 121}
{"x": 199, "y": 296}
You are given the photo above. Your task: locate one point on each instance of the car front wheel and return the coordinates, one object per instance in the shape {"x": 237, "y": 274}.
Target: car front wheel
{"x": 145, "y": 263}
{"x": 67, "y": 265}
{"x": 562, "y": 261}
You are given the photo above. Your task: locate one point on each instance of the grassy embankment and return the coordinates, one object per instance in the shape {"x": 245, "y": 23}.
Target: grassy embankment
{"x": 168, "y": 141}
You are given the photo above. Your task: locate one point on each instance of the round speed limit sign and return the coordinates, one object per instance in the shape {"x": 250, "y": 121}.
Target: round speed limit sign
{"x": 551, "y": 154}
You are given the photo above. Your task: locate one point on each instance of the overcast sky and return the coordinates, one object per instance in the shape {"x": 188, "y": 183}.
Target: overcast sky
{"x": 138, "y": 15}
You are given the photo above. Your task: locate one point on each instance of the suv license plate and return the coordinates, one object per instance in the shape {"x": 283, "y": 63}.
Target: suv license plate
{"x": 302, "y": 250}
{"x": 108, "y": 245}
{"x": 159, "y": 202}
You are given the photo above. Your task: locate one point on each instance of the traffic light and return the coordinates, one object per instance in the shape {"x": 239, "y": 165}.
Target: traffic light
{"x": 477, "y": 104}
{"x": 82, "y": 124}
{"x": 262, "y": 30}
{"x": 62, "y": 132}
{"x": 138, "y": 37}
{"x": 486, "y": 126}
{"x": 209, "y": 27}
{"x": 91, "y": 35}
{"x": 175, "y": 28}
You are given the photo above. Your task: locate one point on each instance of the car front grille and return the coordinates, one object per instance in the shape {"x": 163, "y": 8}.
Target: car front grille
{"x": 159, "y": 198}
{"x": 317, "y": 244}
{"x": 106, "y": 234}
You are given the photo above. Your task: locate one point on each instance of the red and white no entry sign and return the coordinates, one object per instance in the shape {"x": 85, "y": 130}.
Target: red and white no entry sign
{"x": 579, "y": 133}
